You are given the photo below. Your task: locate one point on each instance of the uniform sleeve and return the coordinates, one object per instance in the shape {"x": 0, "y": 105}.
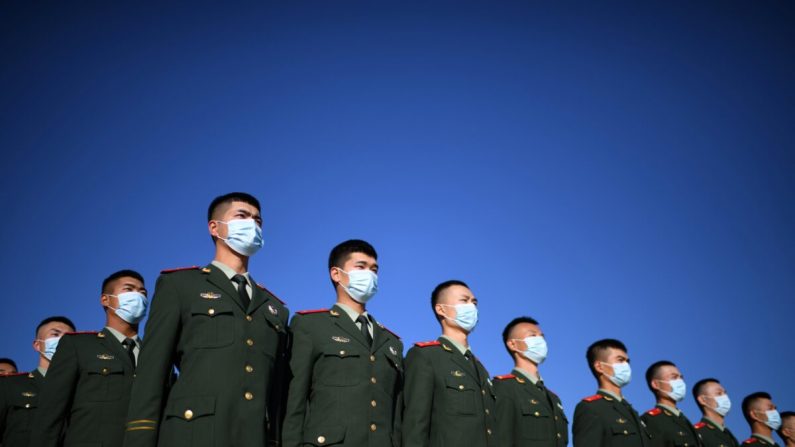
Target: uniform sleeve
{"x": 155, "y": 365}
{"x": 3, "y": 407}
{"x": 56, "y": 395}
{"x": 301, "y": 366}
{"x": 281, "y": 377}
{"x": 397, "y": 427}
{"x": 587, "y": 428}
{"x": 418, "y": 395}
{"x": 505, "y": 417}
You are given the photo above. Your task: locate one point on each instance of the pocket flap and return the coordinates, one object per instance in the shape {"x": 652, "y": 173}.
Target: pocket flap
{"x": 105, "y": 368}
{"x": 211, "y": 308}
{"x": 623, "y": 429}
{"x": 192, "y": 407}
{"x": 535, "y": 410}
{"x": 458, "y": 383}
{"x": 339, "y": 350}
{"x": 322, "y": 436}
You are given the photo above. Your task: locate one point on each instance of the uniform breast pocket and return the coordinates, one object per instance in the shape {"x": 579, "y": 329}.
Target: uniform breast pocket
{"x": 339, "y": 366}
{"x": 211, "y": 324}
{"x": 623, "y": 431}
{"x": 104, "y": 381}
{"x": 461, "y": 394}
{"x": 189, "y": 421}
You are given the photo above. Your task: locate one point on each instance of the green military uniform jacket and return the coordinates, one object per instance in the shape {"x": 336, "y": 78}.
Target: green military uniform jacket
{"x": 87, "y": 391}
{"x": 528, "y": 414}
{"x": 756, "y": 440}
{"x": 669, "y": 429}
{"x": 712, "y": 435}
{"x": 229, "y": 361}
{"x": 19, "y": 397}
{"x": 603, "y": 421}
{"x": 342, "y": 392}
{"x": 449, "y": 403}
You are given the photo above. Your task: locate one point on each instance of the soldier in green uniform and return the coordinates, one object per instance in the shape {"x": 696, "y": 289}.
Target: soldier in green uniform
{"x": 347, "y": 368}
{"x": 528, "y": 413}
{"x": 87, "y": 391}
{"x": 19, "y": 392}
{"x": 715, "y": 405}
{"x": 667, "y": 424}
{"x": 449, "y": 397}
{"x": 606, "y": 419}
{"x": 7, "y": 366}
{"x": 787, "y": 429}
{"x": 227, "y": 337}
{"x": 763, "y": 418}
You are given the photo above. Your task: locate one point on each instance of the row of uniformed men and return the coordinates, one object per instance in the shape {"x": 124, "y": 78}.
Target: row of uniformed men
{"x": 335, "y": 377}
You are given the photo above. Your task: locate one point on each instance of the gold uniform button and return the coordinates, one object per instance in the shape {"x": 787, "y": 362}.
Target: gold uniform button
{"x": 342, "y": 352}
{"x": 488, "y": 431}
{"x": 556, "y": 418}
{"x": 105, "y": 371}
{"x": 460, "y": 387}
{"x": 487, "y": 411}
{"x": 626, "y": 432}
{"x": 321, "y": 439}
{"x": 558, "y": 435}
{"x": 211, "y": 311}
{"x": 372, "y": 427}
{"x": 373, "y": 403}
{"x": 248, "y": 395}
{"x": 372, "y": 380}
{"x": 372, "y": 358}
{"x": 249, "y": 318}
{"x": 249, "y": 368}
{"x": 483, "y": 392}
{"x": 277, "y": 327}
{"x": 27, "y": 405}
{"x": 188, "y": 415}
{"x": 250, "y": 342}
{"x": 536, "y": 414}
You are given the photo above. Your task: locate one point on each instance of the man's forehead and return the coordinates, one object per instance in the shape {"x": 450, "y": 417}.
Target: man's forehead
{"x": 55, "y": 325}
{"x": 526, "y": 327}
{"x": 667, "y": 369}
{"x": 457, "y": 291}
{"x": 360, "y": 257}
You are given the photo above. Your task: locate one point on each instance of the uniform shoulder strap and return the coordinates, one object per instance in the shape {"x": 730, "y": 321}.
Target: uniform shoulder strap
{"x": 505, "y": 377}
{"x": 700, "y": 425}
{"x": 180, "y": 269}
{"x": 425, "y": 344}
{"x": 309, "y": 312}
{"x": 593, "y": 398}
{"x": 387, "y": 329}
{"x": 14, "y": 374}
{"x": 654, "y": 412}
{"x": 81, "y": 332}
{"x": 750, "y": 441}
{"x": 261, "y": 287}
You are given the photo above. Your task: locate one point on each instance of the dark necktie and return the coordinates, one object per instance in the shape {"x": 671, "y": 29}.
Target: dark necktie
{"x": 540, "y": 385}
{"x": 471, "y": 357}
{"x": 129, "y": 345}
{"x": 365, "y": 329}
{"x": 241, "y": 282}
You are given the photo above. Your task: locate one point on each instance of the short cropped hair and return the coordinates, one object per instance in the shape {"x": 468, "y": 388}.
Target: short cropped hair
{"x": 597, "y": 348}
{"x": 441, "y": 288}
{"x": 651, "y": 372}
{"x": 750, "y": 400}
{"x": 55, "y": 319}
{"x": 698, "y": 389}
{"x": 784, "y": 416}
{"x": 9, "y": 362}
{"x": 342, "y": 252}
{"x": 506, "y": 333}
{"x": 120, "y": 274}
{"x": 226, "y": 199}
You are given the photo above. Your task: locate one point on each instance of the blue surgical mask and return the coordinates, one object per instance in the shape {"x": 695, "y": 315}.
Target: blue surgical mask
{"x": 724, "y": 404}
{"x": 536, "y": 349}
{"x": 466, "y": 316}
{"x": 243, "y": 236}
{"x": 678, "y": 389}
{"x": 773, "y": 419}
{"x": 132, "y": 306}
{"x": 362, "y": 284}
{"x": 50, "y": 345}
{"x": 622, "y": 373}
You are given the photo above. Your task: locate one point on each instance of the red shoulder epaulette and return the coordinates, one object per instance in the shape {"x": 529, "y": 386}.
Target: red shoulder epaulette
{"x": 14, "y": 374}
{"x": 654, "y": 412}
{"x": 271, "y": 293}
{"x": 505, "y": 377}
{"x": 81, "y": 332}
{"x": 750, "y": 441}
{"x": 179, "y": 269}
{"x": 700, "y": 425}
{"x": 425, "y": 344}
{"x": 593, "y": 398}
{"x": 307, "y": 312}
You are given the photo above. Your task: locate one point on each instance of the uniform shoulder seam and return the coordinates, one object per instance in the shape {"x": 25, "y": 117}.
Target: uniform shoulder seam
{"x": 505, "y": 377}
{"x": 699, "y": 425}
{"x": 654, "y": 412}
{"x": 82, "y": 333}
{"x": 425, "y": 344}
{"x": 179, "y": 269}
{"x": 593, "y": 398}
{"x": 263, "y": 288}
{"x": 311, "y": 312}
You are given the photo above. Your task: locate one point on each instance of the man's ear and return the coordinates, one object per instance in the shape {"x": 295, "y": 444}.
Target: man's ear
{"x": 702, "y": 399}
{"x": 104, "y": 300}
{"x": 212, "y": 227}
{"x": 335, "y": 274}
{"x": 654, "y": 385}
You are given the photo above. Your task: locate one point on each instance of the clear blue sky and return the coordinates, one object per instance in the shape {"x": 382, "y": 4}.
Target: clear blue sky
{"x": 611, "y": 169}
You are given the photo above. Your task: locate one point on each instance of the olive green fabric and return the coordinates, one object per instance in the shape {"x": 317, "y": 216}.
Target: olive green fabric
{"x": 19, "y": 397}
{"x": 229, "y": 360}
{"x": 528, "y": 414}
{"x": 448, "y": 401}
{"x": 604, "y": 421}
{"x": 713, "y": 436}
{"x": 86, "y": 392}
{"x": 670, "y": 430}
{"x": 343, "y": 392}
